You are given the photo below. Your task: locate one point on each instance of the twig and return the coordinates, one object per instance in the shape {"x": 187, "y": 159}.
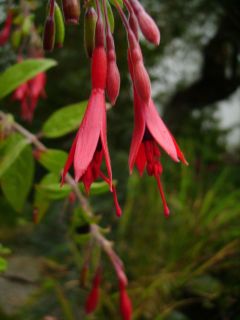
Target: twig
{"x": 104, "y": 243}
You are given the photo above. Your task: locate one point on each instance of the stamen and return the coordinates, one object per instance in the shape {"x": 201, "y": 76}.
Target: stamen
{"x": 160, "y": 188}
{"x": 115, "y": 199}
{"x": 114, "y": 192}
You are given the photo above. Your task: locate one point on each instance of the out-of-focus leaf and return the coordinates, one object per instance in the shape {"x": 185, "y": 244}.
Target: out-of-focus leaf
{"x": 50, "y": 187}
{"x": 64, "y": 120}
{"x": 22, "y": 72}
{"x": 12, "y": 149}
{"x": 97, "y": 188}
{"x": 4, "y": 250}
{"x": 205, "y": 286}
{"x": 53, "y": 160}
{"x": 41, "y": 204}
{"x": 17, "y": 180}
{"x": 3, "y": 264}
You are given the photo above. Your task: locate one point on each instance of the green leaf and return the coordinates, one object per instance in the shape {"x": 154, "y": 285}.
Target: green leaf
{"x": 53, "y": 160}
{"x": 12, "y": 148}
{"x": 3, "y": 264}
{"x": 51, "y": 188}
{"x": 64, "y": 120}
{"x": 22, "y": 72}
{"x": 96, "y": 188}
{"x": 17, "y": 180}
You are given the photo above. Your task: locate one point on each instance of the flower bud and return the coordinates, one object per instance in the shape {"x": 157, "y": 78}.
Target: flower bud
{"x": 125, "y": 303}
{"x": 71, "y": 11}
{"x": 90, "y": 20}
{"x": 149, "y": 28}
{"x": 113, "y": 75}
{"x": 49, "y": 34}
{"x": 141, "y": 81}
{"x": 59, "y": 26}
{"x": 93, "y": 297}
{"x": 99, "y": 68}
{"x": 100, "y": 34}
{"x": 140, "y": 76}
{"x": 147, "y": 24}
{"x": 133, "y": 22}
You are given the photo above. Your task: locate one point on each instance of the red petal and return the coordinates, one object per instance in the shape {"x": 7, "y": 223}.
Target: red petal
{"x": 70, "y": 158}
{"x": 89, "y": 132}
{"x": 179, "y": 151}
{"x": 138, "y": 132}
{"x": 159, "y": 130}
{"x": 141, "y": 159}
{"x": 103, "y": 135}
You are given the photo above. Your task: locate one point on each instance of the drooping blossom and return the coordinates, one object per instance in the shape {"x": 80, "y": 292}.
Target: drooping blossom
{"x": 93, "y": 297}
{"x": 149, "y": 134}
{"x": 5, "y": 32}
{"x": 90, "y": 145}
{"x": 29, "y": 93}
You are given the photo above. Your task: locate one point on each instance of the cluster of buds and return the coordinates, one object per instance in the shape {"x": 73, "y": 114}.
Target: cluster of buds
{"x": 150, "y": 133}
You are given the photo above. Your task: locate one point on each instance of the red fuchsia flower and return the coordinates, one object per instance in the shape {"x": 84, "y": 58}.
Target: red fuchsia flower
{"x": 125, "y": 302}
{"x": 149, "y": 133}
{"x": 90, "y": 145}
{"x": 5, "y": 32}
{"x": 29, "y": 93}
{"x": 93, "y": 297}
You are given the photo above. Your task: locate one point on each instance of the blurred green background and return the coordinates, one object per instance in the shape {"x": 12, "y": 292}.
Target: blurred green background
{"x": 186, "y": 267}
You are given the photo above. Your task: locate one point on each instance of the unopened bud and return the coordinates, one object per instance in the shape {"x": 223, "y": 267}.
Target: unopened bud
{"x": 133, "y": 22}
{"x": 125, "y": 303}
{"x": 71, "y": 11}
{"x": 113, "y": 75}
{"x": 140, "y": 76}
{"x": 142, "y": 82}
{"x": 59, "y": 25}
{"x": 149, "y": 28}
{"x": 49, "y": 34}
{"x": 100, "y": 33}
{"x": 147, "y": 24}
{"x": 93, "y": 298}
{"x": 90, "y": 20}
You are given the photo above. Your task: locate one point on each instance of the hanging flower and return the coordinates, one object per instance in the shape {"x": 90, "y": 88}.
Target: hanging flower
{"x": 90, "y": 145}
{"x": 29, "y": 93}
{"x": 149, "y": 133}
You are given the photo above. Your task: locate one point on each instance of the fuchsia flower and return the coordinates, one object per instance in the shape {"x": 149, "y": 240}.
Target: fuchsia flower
{"x": 90, "y": 145}
{"x": 149, "y": 133}
{"x": 5, "y": 32}
{"x": 29, "y": 93}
